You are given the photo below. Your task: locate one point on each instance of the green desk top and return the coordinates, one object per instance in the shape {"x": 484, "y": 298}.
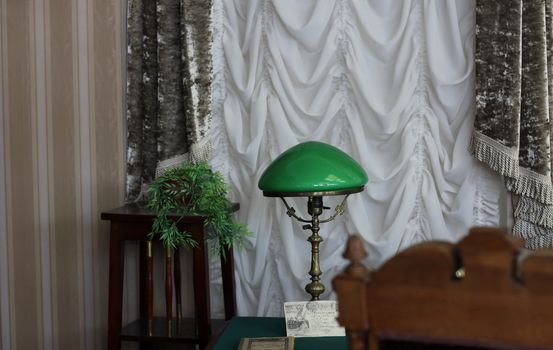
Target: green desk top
{"x": 254, "y": 327}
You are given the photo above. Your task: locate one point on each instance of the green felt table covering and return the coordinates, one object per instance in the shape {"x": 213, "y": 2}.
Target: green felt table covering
{"x": 255, "y": 327}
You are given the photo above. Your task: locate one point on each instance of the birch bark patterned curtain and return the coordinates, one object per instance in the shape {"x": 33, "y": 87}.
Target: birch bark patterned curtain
{"x": 168, "y": 86}
{"x": 512, "y": 131}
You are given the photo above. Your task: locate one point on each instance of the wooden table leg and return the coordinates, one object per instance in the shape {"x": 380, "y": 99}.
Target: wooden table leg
{"x": 115, "y": 298}
{"x": 227, "y": 271}
{"x": 146, "y": 288}
{"x": 201, "y": 285}
{"x": 178, "y": 283}
{"x": 169, "y": 289}
{"x": 149, "y": 286}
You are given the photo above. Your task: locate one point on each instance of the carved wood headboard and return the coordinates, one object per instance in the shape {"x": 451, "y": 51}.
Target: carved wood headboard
{"x": 483, "y": 292}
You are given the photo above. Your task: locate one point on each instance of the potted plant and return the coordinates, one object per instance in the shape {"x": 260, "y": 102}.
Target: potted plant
{"x": 193, "y": 189}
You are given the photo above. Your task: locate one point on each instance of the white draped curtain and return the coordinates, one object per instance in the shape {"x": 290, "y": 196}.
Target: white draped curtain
{"x": 389, "y": 82}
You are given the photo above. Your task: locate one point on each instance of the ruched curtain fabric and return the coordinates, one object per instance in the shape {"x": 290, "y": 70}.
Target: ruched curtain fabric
{"x": 514, "y": 86}
{"x": 389, "y": 82}
{"x": 169, "y": 74}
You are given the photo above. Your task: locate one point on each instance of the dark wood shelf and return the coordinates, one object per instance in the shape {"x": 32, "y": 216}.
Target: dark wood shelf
{"x": 182, "y": 331}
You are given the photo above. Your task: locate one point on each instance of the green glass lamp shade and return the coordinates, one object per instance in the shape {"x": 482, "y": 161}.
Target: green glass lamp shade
{"x": 312, "y": 168}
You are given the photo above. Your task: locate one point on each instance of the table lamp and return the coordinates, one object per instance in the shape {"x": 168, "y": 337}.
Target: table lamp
{"x": 313, "y": 170}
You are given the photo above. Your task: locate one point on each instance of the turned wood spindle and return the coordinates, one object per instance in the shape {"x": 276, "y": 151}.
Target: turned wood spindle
{"x": 149, "y": 286}
{"x": 168, "y": 287}
{"x": 178, "y": 294}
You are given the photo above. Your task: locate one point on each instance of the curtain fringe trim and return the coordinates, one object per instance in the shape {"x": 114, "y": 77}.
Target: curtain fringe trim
{"x": 498, "y": 157}
{"x": 170, "y": 163}
{"x": 531, "y": 185}
{"x": 535, "y": 212}
{"x": 199, "y": 152}
{"x": 535, "y": 237}
{"x": 535, "y": 190}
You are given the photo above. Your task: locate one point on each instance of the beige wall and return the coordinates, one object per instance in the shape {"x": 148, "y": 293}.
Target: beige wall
{"x": 61, "y": 163}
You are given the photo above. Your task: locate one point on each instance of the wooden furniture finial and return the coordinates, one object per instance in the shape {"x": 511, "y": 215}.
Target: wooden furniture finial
{"x": 356, "y": 253}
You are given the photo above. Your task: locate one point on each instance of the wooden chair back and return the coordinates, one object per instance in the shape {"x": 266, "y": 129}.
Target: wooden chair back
{"x": 484, "y": 292}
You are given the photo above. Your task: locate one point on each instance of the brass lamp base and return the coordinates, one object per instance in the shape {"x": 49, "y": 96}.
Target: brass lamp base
{"x": 315, "y": 208}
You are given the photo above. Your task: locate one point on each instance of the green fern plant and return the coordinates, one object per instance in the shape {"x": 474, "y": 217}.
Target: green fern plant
{"x": 192, "y": 189}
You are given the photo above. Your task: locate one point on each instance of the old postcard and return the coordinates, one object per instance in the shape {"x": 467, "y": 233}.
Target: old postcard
{"x": 312, "y": 319}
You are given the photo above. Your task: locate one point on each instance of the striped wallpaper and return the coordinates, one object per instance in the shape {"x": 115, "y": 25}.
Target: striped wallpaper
{"x": 61, "y": 163}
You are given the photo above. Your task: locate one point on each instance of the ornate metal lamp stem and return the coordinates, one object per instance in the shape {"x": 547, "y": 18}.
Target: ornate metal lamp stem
{"x": 315, "y": 209}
